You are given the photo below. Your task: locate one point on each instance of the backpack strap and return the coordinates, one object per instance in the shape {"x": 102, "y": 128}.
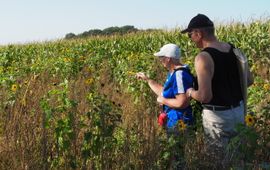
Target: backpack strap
{"x": 183, "y": 68}
{"x": 232, "y": 47}
{"x": 195, "y": 81}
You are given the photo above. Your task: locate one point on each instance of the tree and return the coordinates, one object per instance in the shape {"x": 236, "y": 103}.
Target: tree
{"x": 95, "y": 32}
{"x": 111, "y": 30}
{"x": 128, "y": 28}
{"x": 107, "y": 31}
{"x": 70, "y": 36}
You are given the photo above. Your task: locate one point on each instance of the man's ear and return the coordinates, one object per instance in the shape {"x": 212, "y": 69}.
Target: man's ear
{"x": 199, "y": 34}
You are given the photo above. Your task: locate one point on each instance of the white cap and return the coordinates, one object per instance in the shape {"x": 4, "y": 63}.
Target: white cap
{"x": 169, "y": 50}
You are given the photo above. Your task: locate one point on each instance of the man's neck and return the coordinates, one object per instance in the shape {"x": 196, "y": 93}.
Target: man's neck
{"x": 211, "y": 42}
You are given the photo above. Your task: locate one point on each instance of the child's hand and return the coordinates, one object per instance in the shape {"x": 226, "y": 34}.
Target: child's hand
{"x": 141, "y": 76}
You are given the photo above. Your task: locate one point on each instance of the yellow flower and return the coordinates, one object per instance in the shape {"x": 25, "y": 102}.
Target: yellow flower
{"x": 89, "y": 81}
{"x": 131, "y": 73}
{"x": 23, "y": 102}
{"x": 67, "y": 59}
{"x": 181, "y": 125}
{"x": 266, "y": 87}
{"x": 90, "y": 69}
{"x": 249, "y": 119}
{"x": 82, "y": 58}
{"x": 26, "y": 82}
{"x": 14, "y": 88}
{"x": 254, "y": 68}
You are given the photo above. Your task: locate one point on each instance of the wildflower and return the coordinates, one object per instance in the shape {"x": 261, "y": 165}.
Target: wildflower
{"x": 82, "y": 58}
{"x": 26, "y": 82}
{"x": 181, "y": 125}
{"x": 67, "y": 59}
{"x": 23, "y": 102}
{"x": 89, "y": 81}
{"x": 14, "y": 88}
{"x": 131, "y": 73}
{"x": 249, "y": 119}
{"x": 266, "y": 87}
{"x": 90, "y": 69}
{"x": 254, "y": 68}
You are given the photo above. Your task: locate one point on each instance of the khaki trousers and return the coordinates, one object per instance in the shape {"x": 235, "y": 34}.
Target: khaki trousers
{"x": 219, "y": 126}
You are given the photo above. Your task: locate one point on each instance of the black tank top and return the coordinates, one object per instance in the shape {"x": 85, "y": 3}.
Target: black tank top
{"x": 226, "y": 88}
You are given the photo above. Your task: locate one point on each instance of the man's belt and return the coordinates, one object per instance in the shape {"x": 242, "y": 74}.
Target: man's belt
{"x": 220, "y": 108}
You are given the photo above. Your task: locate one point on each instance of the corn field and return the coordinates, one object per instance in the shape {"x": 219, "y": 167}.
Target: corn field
{"x": 75, "y": 104}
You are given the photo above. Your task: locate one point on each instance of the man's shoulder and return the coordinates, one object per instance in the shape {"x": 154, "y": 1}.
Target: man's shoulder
{"x": 203, "y": 56}
{"x": 204, "y": 61}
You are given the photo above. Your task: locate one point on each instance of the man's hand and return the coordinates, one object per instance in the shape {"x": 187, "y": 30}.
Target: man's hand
{"x": 189, "y": 92}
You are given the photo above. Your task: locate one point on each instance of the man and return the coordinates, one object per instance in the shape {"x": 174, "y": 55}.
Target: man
{"x": 218, "y": 80}
{"x": 173, "y": 94}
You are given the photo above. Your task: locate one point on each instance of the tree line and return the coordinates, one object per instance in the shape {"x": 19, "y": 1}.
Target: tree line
{"x": 107, "y": 31}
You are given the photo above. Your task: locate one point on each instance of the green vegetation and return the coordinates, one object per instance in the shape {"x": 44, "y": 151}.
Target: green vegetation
{"x": 75, "y": 104}
{"x": 105, "y": 32}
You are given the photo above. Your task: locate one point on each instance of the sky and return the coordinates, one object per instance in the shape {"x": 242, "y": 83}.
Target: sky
{"x": 26, "y": 21}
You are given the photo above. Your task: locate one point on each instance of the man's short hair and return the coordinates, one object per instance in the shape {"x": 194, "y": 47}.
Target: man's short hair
{"x": 208, "y": 30}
